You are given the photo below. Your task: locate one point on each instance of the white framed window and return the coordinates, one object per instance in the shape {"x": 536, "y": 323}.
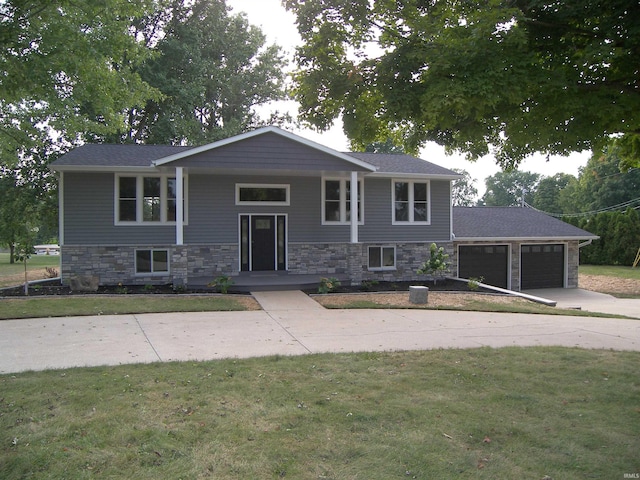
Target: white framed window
{"x": 262, "y": 194}
{"x": 411, "y": 202}
{"x": 336, "y": 201}
{"x": 147, "y": 199}
{"x": 152, "y": 261}
{"x": 382, "y": 257}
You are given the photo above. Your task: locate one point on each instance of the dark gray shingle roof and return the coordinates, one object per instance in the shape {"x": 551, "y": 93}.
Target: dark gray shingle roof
{"x": 107, "y": 155}
{"x": 401, "y": 163}
{"x": 511, "y": 222}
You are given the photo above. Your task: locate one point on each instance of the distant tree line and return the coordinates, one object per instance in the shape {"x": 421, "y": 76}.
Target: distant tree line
{"x": 619, "y": 240}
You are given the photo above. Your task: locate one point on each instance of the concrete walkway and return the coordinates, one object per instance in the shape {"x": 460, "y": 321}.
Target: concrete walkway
{"x": 290, "y": 324}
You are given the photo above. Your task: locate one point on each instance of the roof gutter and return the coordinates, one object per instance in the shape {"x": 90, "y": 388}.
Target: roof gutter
{"x": 524, "y": 239}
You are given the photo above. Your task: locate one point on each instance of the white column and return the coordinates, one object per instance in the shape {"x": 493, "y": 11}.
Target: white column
{"x": 179, "y": 207}
{"x": 61, "y": 211}
{"x": 354, "y": 207}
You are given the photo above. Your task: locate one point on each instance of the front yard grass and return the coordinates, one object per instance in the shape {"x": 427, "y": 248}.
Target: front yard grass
{"x": 508, "y": 413}
{"x": 70, "y": 305}
{"x": 12, "y": 274}
{"x": 611, "y": 271}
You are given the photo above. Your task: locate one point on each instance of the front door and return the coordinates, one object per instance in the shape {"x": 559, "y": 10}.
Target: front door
{"x": 263, "y": 240}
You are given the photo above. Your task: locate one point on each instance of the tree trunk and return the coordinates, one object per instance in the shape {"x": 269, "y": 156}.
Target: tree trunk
{"x": 12, "y": 249}
{"x": 26, "y": 280}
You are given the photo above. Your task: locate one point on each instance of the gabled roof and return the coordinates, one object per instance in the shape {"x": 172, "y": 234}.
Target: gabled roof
{"x": 512, "y": 223}
{"x": 105, "y": 157}
{"x": 403, "y": 164}
{"x": 258, "y": 132}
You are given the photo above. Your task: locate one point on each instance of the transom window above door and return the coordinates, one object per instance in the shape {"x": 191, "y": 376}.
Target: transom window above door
{"x": 262, "y": 194}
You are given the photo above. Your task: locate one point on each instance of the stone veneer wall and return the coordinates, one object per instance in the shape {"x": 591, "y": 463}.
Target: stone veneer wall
{"x": 351, "y": 260}
{"x": 116, "y": 264}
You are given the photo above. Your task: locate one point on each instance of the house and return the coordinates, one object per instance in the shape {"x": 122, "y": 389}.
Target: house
{"x": 268, "y": 205}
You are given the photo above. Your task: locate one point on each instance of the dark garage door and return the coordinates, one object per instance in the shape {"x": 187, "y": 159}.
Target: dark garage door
{"x": 542, "y": 266}
{"x": 488, "y": 261}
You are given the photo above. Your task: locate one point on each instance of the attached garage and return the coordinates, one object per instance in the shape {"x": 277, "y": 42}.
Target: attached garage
{"x": 542, "y": 266}
{"x": 489, "y": 262}
{"x": 516, "y": 248}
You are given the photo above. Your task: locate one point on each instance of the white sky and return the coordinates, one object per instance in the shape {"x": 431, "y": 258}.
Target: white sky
{"x": 279, "y": 27}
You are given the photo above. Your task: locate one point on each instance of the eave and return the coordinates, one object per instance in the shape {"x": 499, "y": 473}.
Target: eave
{"x": 524, "y": 239}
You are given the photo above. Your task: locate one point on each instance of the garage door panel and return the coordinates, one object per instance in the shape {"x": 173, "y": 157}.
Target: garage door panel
{"x": 542, "y": 266}
{"x": 491, "y": 262}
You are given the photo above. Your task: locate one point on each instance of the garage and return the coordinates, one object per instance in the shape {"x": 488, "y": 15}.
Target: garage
{"x": 489, "y": 262}
{"x": 542, "y": 266}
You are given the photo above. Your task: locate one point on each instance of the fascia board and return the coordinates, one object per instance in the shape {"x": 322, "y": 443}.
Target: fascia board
{"x": 522, "y": 239}
{"x": 261, "y": 131}
{"x": 101, "y": 169}
{"x": 413, "y": 175}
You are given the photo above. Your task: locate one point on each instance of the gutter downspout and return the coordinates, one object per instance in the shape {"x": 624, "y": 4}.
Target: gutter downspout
{"x": 584, "y": 244}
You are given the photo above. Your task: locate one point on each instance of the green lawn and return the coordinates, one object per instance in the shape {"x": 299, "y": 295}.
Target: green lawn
{"x": 480, "y": 414}
{"x": 611, "y": 271}
{"x": 65, "y": 306}
{"x": 13, "y": 274}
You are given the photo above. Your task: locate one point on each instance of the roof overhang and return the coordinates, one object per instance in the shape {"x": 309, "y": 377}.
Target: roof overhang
{"x": 409, "y": 176}
{"x": 262, "y": 131}
{"x": 102, "y": 169}
{"x": 523, "y": 239}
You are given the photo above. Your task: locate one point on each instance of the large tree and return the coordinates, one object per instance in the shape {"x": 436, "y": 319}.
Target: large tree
{"x": 550, "y": 193}
{"x": 463, "y": 191}
{"x": 602, "y": 186}
{"x": 66, "y": 67}
{"x": 504, "y": 77}
{"x": 509, "y": 189}
{"x": 212, "y": 69}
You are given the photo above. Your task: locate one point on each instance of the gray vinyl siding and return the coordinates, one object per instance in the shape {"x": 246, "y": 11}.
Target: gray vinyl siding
{"x": 89, "y": 218}
{"x": 213, "y": 214}
{"x": 378, "y": 215}
{"x": 267, "y": 152}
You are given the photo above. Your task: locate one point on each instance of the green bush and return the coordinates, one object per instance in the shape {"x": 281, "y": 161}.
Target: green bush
{"x": 619, "y": 240}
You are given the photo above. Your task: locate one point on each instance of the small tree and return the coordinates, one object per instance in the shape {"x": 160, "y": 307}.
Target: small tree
{"x": 23, "y": 252}
{"x": 437, "y": 264}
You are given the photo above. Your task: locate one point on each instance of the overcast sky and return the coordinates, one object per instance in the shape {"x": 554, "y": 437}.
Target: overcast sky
{"x": 279, "y": 27}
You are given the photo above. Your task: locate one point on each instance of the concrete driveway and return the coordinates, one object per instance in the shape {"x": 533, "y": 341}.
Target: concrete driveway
{"x": 590, "y": 301}
{"x": 293, "y": 324}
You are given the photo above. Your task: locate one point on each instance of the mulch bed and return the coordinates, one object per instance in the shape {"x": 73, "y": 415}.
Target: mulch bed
{"x": 55, "y": 288}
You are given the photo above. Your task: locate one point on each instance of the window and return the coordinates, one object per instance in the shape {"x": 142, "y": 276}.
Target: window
{"x": 256, "y": 194}
{"x": 147, "y": 199}
{"x": 411, "y": 202}
{"x": 336, "y": 201}
{"x": 382, "y": 258}
{"x": 152, "y": 261}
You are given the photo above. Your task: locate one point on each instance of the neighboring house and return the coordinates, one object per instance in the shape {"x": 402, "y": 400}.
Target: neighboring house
{"x": 269, "y": 205}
